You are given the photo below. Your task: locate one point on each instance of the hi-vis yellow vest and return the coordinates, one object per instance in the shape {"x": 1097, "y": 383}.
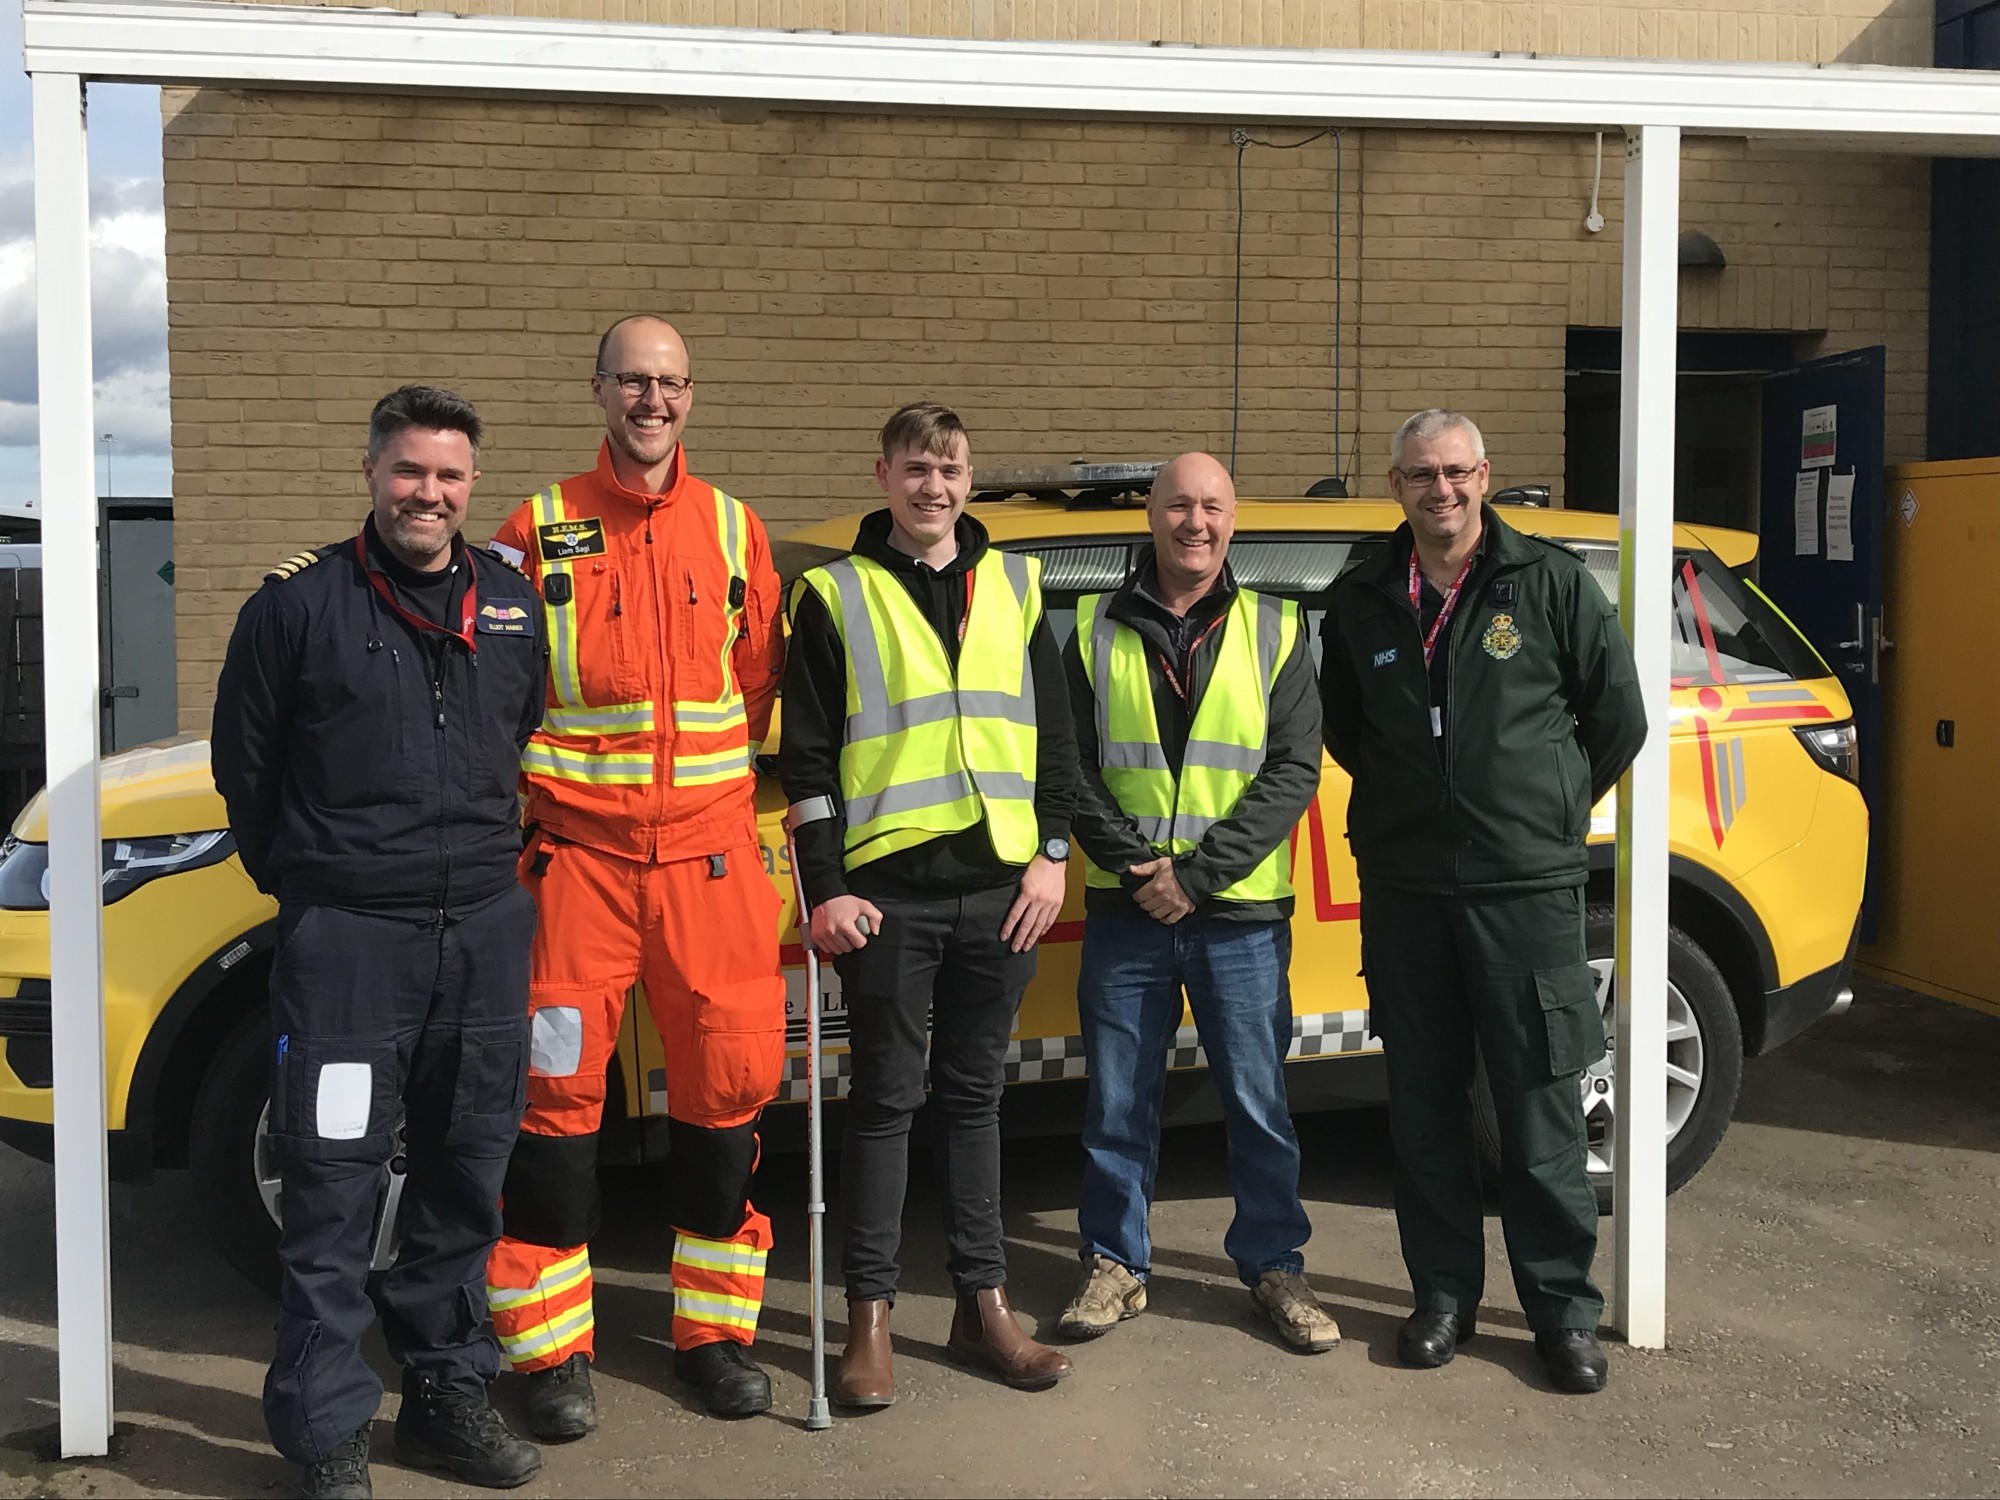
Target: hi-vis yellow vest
{"x": 1225, "y": 747}
{"x": 927, "y": 751}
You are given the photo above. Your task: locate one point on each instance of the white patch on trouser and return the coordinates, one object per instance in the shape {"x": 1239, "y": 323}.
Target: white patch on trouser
{"x": 555, "y": 1047}
{"x": 342, "y": 1107}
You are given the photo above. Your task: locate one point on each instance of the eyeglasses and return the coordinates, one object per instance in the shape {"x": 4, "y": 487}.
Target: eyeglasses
{"x": 632, "y": 383}
{"x": 1423, "y": 479}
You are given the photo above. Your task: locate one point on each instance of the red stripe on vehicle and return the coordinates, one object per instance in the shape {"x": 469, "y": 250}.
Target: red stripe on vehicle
{"x": 1792, "y": 711}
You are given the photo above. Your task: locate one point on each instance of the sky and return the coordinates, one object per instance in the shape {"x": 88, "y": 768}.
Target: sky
{"x": 128, "y": 285}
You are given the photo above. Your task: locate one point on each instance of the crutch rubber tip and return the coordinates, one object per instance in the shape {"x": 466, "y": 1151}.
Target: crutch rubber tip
{"x": 864, "y": 927}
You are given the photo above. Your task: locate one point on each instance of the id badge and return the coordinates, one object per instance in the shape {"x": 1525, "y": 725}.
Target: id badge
{"x": 1437, "y": 722}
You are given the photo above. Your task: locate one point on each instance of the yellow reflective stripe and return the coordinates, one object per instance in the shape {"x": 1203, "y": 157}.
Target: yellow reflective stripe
{"x": 720, "y": 1255}
{"x": 613, "y": 718}
{"x": 548, "y": 1337}
{"x": 702, "y": 770}
{"x": 731, "y": 519}
{"x": 564, "y": 672}
{"x": 559, "y": 1277}
{"x": 711, "y": 1307}
{"x": 726, "y": 714}
{"x": 618, "y": 768}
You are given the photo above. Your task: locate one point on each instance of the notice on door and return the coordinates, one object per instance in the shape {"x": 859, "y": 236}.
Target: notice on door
{"x": 1805, "y": 513}
{"x": 1817, "y": 437}
{"x": 1840, "y": 517}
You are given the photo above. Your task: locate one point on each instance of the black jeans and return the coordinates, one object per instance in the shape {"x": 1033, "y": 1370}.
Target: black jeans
{"x": 941, "y": 959}
{"x": 377, "y": 1021}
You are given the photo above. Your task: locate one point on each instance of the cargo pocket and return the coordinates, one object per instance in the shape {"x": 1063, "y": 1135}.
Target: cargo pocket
{"x": 334, "y": 1097}
{"x": 1568, "y": 996}
{"x": 738, "y": 1053}
{"x": 492, "y": 1087}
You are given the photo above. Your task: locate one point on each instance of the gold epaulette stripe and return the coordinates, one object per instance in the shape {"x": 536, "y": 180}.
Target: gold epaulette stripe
{"x": 292, "y": 565}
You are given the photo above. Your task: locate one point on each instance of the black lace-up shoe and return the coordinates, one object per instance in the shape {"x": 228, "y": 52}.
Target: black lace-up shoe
{"x": 731, "y": 1384}
{"x": 1428, "y": 1340}
{"x": 1574, "y": 1359}
{"x": 342, "y": 1474}
{"x": 560, "y": 1405}
{"x": 460, "y": 1435}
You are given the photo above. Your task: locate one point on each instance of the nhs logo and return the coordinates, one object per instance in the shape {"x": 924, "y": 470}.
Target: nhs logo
{"x": 1383, "y": 658}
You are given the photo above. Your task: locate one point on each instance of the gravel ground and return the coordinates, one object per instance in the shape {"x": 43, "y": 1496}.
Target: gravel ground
{"x": 1834, "y": 1327}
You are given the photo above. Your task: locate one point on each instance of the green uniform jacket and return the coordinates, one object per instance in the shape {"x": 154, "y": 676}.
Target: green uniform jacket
{"x": 1542, "y": 715}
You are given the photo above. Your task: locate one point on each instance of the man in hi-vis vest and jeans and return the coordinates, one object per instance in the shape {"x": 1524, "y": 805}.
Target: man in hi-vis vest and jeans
{"x": 1197, "y": 720}
{"x": 928, "y": 757}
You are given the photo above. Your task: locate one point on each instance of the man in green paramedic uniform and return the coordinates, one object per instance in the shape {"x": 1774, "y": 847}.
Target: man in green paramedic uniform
{"x": 1479, "y": 691}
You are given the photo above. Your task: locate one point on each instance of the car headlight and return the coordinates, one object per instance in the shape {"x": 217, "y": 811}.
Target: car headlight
{"x": 1837, "y": 747}
{"x": 128, "y": 864}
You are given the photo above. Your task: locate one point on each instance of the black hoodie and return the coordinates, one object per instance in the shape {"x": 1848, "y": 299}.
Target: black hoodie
{"x": 815, "y": 716}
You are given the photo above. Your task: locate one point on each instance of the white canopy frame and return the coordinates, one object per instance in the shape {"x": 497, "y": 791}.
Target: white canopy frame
{"x": 69, "y": 43}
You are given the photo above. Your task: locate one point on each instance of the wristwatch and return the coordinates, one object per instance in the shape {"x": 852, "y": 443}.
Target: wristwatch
{"x": 1056, "y": 851}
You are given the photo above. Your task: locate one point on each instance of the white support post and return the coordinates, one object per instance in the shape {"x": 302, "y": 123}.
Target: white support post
{"x": 70, "y": 687}
{"x": 1645, "y": 581}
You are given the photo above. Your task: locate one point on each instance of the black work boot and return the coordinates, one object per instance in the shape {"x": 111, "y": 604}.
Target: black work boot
{"x": 560, "y": 1405}
{"x": 342, "y": 1474}
{"x": 460, "y": 1435}
{"x": 731, "y": 1384}
{"x": 1574, "y": 1359}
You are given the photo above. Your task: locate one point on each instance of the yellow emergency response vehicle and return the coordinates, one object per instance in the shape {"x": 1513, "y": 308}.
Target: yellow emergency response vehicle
{"x": 1769, "y": 837}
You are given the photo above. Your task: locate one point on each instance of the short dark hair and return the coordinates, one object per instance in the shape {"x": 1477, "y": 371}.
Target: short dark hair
{"x": 924, "y": 427}
{"x": 424, "y": 406}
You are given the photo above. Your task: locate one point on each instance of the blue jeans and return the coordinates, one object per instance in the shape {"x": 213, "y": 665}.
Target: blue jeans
{"x": 1238, "y": 983}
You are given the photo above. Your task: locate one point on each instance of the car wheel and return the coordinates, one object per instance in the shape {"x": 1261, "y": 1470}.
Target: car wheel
{"x": 231, "y": 1162}
{"x": 237, "y": 1174}
{"x": 1704, "y": 1063}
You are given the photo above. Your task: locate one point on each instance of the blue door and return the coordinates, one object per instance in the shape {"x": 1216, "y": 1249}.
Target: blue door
{"x": 1820, "y": 554}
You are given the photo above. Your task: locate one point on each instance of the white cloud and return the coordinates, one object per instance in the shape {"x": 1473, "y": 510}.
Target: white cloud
{"x": 128, "y": 310}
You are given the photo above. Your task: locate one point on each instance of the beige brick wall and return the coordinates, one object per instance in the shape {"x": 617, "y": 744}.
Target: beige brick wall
{"x": 1815, "y": 31}
{"x": 1070, "y": 287}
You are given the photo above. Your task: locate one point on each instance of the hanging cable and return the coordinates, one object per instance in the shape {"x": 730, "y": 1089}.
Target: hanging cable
{"x": 1243, "y": 140}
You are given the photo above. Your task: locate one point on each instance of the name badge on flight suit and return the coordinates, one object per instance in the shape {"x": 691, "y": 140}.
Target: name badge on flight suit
{"x": 505, "y": 617}
{"x": 562, "y": 540}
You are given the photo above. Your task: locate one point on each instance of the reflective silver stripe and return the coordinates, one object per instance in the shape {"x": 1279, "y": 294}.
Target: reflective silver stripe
{"x": 809, "y": 810}
{"x": 876, "y": 720}
{"x": 1189, "y": 826}
{"x": 708, "y": 715}
{"x": 1103, "y": 631}
{"x": 864, "y": 652}
{"x": 731, "y": 535}
{"x": 565, "y": 672}
{"x": 1219, "y": 756}
{"x": 1270, "y": 627}
{"x": 1131, "y": 755}
{"x": 1015, "y": 567}
{"x": 1015, "y": 708}
{"x": 908, "y": 796}
{"x": 616, "y": 718}
{"x": 1005, "y": 786}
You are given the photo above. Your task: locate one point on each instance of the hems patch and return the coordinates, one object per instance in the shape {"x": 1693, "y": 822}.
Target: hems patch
{"x": 562, "y": 540}
{"x": 1501, "y": 640}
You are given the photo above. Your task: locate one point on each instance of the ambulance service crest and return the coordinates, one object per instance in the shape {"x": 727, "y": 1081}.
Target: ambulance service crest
{"x": 1501, "y": 640}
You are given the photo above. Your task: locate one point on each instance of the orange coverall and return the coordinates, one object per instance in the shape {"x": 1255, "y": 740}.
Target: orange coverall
{"x": 664, "y": 659}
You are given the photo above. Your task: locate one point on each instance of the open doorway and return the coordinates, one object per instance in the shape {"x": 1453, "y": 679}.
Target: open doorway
{"x": 1717, "y": 439}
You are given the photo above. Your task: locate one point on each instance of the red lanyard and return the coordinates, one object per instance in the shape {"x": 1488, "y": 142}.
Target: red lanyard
{"x": 1450, "y": 601}
{"x": 965, "y": 619}
{"x": 1173, "y": 677}
{"x": 468, "y": 608}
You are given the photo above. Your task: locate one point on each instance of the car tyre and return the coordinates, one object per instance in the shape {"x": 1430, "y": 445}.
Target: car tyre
{"x": 223, "y": 1152}
{"x": 1704, "y": 1056}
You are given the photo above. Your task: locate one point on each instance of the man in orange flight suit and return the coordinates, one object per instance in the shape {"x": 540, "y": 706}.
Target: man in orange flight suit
{"x": 664, "y": 657}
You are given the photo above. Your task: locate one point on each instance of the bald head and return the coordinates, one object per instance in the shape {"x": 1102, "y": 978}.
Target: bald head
{"x": 1194, "y": 474}
{"x": 638, "y": 360}
{"x": 1192, "y": 513}
{"x": 647, "y": 326}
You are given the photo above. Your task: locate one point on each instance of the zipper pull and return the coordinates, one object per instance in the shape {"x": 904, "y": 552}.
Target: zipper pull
{"x": 691, "y": 594}
{"x": 617, "y": 599}
{"x": 284, "y": 1046}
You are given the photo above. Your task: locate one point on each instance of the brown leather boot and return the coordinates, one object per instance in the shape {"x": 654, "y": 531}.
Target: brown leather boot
{"x": 865, "y": 1374}
{"x": 984, "y": 1331}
